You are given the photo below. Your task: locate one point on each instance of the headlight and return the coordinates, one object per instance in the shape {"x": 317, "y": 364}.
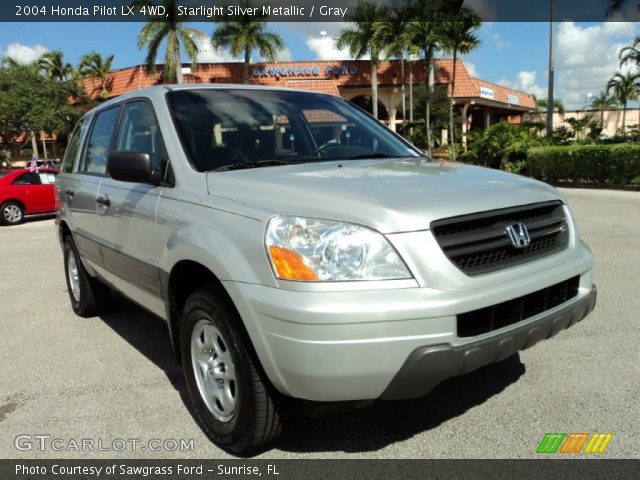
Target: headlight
{"x": 313, "y": 250}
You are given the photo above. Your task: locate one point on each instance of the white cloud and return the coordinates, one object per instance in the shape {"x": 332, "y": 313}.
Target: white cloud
{"x": 284, "y": 55}
{"x": 472, "y": 69}
{"x": 587, "y": 57}
{"x": 24, "y": 53}
{"x": 499, "y": 43}
{"x": 525, "y": 82}
{"x": 325, "y": 49}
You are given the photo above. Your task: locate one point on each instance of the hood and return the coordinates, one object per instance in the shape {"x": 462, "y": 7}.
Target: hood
{"x": 390, "y": 195}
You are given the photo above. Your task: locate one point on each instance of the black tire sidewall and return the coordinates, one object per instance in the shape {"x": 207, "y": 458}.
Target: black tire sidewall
{"x": 70, "y": 249}
{"x": 4, "y": 220}
{"x": 205, "y": 306}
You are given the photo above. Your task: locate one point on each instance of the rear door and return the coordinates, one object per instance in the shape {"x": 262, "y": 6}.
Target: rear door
{"x": 26, "y": 187}
{"x": 84, "y": 192}
{"x": 133, "y": 246}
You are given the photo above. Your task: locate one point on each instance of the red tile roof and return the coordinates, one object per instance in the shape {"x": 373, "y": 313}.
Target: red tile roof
{"x": 329, "y": 77}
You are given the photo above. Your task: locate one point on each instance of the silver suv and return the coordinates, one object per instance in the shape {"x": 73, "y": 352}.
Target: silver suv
{"x": 298, "y": 249}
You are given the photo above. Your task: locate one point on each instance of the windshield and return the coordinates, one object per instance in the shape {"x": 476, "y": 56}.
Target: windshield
{"x": 242, "y": 128}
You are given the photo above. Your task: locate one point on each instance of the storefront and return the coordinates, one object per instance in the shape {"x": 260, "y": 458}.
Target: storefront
{"x": 480, "y": 103}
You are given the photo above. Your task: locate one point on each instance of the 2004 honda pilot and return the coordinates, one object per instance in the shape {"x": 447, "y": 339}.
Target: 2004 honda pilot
{"x": 299, "y": 249}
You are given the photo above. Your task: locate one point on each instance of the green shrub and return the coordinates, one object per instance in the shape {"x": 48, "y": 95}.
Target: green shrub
{"x": 500, "y": 145}
{"x": 612, "y": 164}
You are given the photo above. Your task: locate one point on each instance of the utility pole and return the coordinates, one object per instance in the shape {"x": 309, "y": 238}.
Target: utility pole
{"x": 551, "y": 71}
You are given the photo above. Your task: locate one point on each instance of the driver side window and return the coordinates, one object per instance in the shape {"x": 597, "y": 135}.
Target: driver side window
{"x": 140, "y": 133}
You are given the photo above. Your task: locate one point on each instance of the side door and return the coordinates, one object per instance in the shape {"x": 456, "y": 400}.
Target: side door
{"x": 25, "y": 187}
{"x": 133, "y": 246}
{"x": 83, "y": 193}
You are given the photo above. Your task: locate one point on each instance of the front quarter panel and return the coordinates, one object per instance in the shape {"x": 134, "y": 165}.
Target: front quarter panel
{"x": 228, "y": 244}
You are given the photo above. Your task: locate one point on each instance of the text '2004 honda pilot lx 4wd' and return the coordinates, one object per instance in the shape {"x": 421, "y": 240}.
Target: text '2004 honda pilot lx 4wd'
{"x": 298, "y": 248}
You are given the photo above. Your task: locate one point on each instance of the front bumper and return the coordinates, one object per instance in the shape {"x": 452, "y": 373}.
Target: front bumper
{"x": 344, "y": 345}
{"x": 426, "y": 367}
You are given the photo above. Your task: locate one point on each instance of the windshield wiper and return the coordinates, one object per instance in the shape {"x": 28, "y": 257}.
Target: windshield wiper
{"x": 259, "y": 163}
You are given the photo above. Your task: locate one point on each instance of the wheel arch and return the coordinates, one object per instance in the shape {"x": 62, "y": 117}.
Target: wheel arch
{"x": 15, "y": 200}
{"x": 185, "y": 277}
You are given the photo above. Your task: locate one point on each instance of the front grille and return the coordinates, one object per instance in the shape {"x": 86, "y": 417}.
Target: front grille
{"x": 479, "y": 243}
{"x": 507, "y": 313}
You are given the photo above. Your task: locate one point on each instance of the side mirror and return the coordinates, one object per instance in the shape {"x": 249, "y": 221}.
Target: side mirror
{"x": 130, "y": 167}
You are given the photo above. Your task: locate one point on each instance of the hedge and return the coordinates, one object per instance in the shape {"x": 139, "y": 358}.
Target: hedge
{"x": 612, "y": 164}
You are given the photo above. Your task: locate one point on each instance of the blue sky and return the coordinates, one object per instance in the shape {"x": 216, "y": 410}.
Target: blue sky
{"x": 512, "y": 54}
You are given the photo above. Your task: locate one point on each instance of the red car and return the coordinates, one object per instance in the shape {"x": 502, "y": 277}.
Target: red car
{"x": 23, "y": 192}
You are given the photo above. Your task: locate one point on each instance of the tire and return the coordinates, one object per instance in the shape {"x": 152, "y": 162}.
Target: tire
{"x": 11, "y": 213}
{"x": 235, "y": 405}
{"x": 88, "y": 296}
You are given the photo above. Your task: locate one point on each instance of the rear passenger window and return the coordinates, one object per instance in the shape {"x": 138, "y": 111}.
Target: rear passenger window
{"x": 140, "y": 133}
{"x": 28, "y": 178}
{"x": 95, "y": 160}
{"x": 72, "y": 148}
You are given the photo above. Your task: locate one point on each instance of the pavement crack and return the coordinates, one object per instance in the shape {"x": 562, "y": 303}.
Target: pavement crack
{"x": 11, "y": 404}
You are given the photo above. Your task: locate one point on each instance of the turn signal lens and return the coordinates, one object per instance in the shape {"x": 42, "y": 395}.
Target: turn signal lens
{"x": 290, "y": 265}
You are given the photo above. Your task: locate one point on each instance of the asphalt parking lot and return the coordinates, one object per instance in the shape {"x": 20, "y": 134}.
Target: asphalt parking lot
{"x": 115, "y": 377}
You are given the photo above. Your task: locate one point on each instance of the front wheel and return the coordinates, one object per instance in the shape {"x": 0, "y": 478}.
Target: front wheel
{"x": 234, "y": 403}
{"x": 12, "y": 213}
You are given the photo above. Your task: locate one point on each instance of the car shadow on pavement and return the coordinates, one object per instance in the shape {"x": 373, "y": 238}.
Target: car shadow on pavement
{"x": 365, "y": 430}
{"x": 149, "y": 335}
{"x": 387, "y": 422}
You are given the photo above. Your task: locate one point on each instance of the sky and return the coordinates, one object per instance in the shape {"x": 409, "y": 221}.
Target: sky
{"x": 510, "y": 54}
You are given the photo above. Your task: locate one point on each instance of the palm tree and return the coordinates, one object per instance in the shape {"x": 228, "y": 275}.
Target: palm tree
{"x": 170, "y": 27}
{"x": 558, "y": 106}
{"x": 52, "y": 64}
{"x": 630, "y": 53}
{"x": 459, "y": 37}
{"x": 95, "y": 66}
{"x": 244, "y": 33}
{"x": 360, "y": 39}
{"x": 391, "y": 34}
{"x": 603, "y": 102}
{"x": 625, "y": 88}
{"x": 426, "y": 33}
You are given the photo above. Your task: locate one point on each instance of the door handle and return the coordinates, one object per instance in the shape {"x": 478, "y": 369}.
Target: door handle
{"x": 104, "y": 201}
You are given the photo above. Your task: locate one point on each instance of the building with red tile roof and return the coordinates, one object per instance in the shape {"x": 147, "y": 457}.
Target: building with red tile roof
{"x": 481, "y": 103}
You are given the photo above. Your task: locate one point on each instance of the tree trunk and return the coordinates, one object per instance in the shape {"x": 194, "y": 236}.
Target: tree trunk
{"x": 245, "y": 67}
{"x": 410, "y": 95}
{"x": 374, "y": 87}
{"x": 402, "y": 89}
{"x": 427, "y": 67}
{"x": 34, "y": 143}
{"x": 178, "y": 63}
{"x": 452, "y": 140}
{"x": 624, "y": 121}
